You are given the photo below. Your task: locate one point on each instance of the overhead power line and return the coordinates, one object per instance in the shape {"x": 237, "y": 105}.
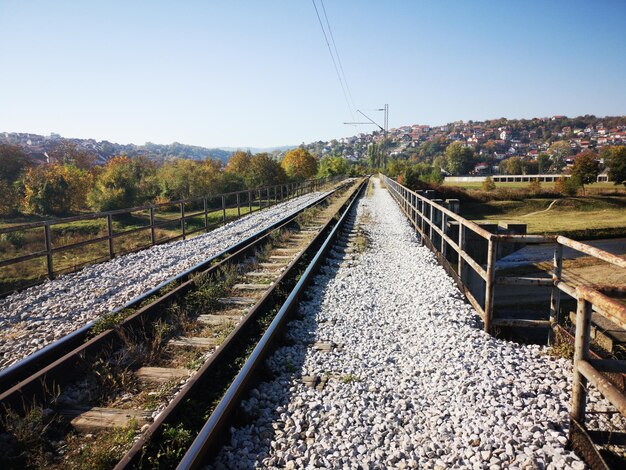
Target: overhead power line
{"x": 341, "y": 82}
{"x": 343, "y": 74}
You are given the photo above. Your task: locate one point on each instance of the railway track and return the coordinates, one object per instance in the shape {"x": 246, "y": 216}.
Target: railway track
{"x": 135, "y": 389}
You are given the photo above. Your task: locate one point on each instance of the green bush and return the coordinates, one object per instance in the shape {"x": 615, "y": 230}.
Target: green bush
{"x": 16, "y": 239}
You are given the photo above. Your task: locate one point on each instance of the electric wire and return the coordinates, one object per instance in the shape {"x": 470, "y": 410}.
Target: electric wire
{"x": 343, "y": 89}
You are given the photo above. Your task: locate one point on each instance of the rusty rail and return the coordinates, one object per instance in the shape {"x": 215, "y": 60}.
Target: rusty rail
{"x": 251, "y": 200}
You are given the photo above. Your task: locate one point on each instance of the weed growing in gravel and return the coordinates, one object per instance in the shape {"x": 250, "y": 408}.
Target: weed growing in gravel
{"x": 24, "y": 442}
{"x": 350, "y": 378}
{"x": 110, "y": 321}
{"x": 561, "y": 347}
{"x": 176, "y": 440}
{"x": 105, "y": 449}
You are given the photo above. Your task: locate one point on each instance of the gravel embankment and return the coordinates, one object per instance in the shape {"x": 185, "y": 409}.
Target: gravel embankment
{"x": 416, "y": 384}
{"x": 37, "y": 316}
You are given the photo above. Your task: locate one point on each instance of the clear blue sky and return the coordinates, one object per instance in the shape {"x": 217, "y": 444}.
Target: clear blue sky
{"x": 258, "y": 73}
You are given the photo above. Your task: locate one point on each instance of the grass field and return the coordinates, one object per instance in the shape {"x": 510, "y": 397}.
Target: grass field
{"x": 577, "y": 217}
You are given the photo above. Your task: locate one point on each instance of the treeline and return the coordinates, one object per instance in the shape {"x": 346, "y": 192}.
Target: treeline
{"x": 459, "y": 159}
{"x": 71, "y": 183}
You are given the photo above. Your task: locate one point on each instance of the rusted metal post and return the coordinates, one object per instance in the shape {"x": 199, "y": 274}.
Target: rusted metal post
{"x": 182, "y": 220}
{"x": 555, "y": 298}
{"x": 461, "y": 267}
{"x": 444, "y": 223}
{"x": 223, "y": 210}
{"x": 489, "y": 283}
{"x": 110, "y": 235}
{"x": 581, "y": 352}
{"x": 238, "y": 206}
{"x": 152, "y": 232}
{"x": 48, "y": 242}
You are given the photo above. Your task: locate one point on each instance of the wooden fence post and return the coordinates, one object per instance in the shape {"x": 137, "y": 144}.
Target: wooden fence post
{"x": 48, "y": 243}
{"x": 110, "y": 235}
{"x": 249, "y": 202}
{"x": 581, "y": 350}
{"x": 152, "y": 233}
{"x": 223, "y": 210}
{"x": 206, "y": 215}
{"x": 460, "y": 266}
{"x": 182, "y": 220}
{"x": 444, "y": 223}
{"x": 238, "y": 206}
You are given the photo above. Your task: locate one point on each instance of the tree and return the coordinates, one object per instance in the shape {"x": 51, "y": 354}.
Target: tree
{"x": 585, "y": 168}
{"x": 299, "y": 164}
{"x": 559, "y": 150}
{"x": 459, "y": 158}
{"x": 617, "y": 164}
{"x": 69, "y": 153}
{"x": 512, "y": 166}
{"x": 543, "y": 163}
{"x": 55, "y": 189}
{"x": 489, "y": 184}
{"x": 239, "y": 163}
{"x": 264, "y": 171}
{"x": 332, "y": 166}
{"x": 13, "y": 161}
{"x": 186, "y": 179}
{"x": 124, "y": 182}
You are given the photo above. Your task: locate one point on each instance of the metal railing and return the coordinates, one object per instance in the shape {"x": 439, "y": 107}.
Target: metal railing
{"x": 588, "y": 370}
{"x": 446, "y": 232}
{"x": 209, "y": 212}
{"x": 434, "y": 223}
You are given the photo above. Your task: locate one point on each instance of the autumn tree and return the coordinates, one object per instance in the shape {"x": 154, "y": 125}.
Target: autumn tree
{"x": 488, "y": 184}
{"x": 264, "y": 171}
{"x": 586, "y": 168}
{"x": 124, "y": 182}
{"x": 186, "y": 179}
{"x": 238, "y": 163}
{"x": 558, "y": 151}
{"x": 13, "y": 163}
{"x": 512, "y": 166}
{"x": 69, "y": 153}
{"x": 299, "y": 164}
{"x": 459, "y": 158}
{"x": 333, "y": 166}
{"x": 617, "y": 164}
{"x": 56, "y": 189}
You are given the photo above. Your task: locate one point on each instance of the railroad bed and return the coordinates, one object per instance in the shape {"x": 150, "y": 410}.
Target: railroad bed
{"x": 35, "y": 317}
{"x": 139, "y": 387}
{"x": 386, "y": 367}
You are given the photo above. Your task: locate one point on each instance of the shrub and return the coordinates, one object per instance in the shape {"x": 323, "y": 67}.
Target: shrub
{"x": 534, "y": 187}
{"x": 16, "y": 239}
{"x": 489, "y": 184}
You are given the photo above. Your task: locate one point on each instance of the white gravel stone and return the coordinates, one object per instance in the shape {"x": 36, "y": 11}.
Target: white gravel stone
{"x": 31, "y": 319}
{"x": 417, "y": 383}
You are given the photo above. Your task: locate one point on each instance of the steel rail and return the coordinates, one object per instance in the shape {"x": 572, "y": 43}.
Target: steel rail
{"x": 36, "y": 366}
{"x": 210, "y": 435}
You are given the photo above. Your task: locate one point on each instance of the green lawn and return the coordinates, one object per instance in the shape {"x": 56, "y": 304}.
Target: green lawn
{"x": 578, "y": 217}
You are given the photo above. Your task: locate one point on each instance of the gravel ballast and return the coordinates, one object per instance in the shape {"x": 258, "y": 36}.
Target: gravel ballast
{"x": 415, "y": 382}
{"x": 33, "y": 318}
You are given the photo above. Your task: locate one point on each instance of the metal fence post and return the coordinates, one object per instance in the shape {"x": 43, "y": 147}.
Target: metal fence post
{"x": 489, "y": 283}
{"x": 555, "y": 297}
{"x": 182, "y": 220}
{"x": 110, "y": 235}
{"x": 238, "y": 206}
{"x": 48, "y": 243}
{"x": 223, "y": 209}
{"x": 269, "y": 201}
{"x": 581, "y": 349}
{"x": 206, "y": 215}
{"x": 152, "y": 233}
{"x": 444, "y": 223}
{"x": 460, "y": 266}
{"x": 249, "y": 202}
